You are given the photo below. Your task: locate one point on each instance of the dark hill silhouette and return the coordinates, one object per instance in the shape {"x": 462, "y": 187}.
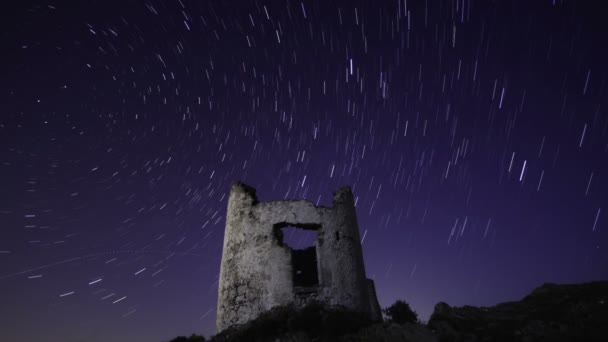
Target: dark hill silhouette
{"x": 550, "y": 313}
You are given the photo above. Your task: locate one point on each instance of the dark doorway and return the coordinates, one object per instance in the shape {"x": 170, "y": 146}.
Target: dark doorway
{"x": 304, "y": 264}
{"x": 302, "y": 240}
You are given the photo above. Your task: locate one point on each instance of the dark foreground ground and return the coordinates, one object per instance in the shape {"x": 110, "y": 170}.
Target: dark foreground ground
{"x": 550, "y": 313}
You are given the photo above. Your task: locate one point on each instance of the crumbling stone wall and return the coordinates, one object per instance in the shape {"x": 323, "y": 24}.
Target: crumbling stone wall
{"x": 256, "y": 270}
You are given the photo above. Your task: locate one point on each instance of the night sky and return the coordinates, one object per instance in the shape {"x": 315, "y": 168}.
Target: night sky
{"x": 474, "y": 135}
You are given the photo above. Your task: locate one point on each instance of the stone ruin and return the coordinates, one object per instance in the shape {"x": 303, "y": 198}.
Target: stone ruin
{"x": 259, "y": 271}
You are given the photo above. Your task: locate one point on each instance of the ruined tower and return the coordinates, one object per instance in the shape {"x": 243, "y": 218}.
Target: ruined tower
{"x": 259, "y": 272}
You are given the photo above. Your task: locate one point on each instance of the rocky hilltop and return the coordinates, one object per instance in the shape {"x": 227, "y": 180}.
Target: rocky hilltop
{"x": 550, "y": 313}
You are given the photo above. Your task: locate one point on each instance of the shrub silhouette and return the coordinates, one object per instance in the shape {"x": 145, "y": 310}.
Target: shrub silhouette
{"x": 400, "y": 312}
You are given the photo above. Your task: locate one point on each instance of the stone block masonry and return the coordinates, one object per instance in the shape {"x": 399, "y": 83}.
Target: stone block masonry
{"x": 259, "y": 271}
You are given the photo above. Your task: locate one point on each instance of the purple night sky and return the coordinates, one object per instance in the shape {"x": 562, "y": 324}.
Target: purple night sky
{"x": 474, "y": 135}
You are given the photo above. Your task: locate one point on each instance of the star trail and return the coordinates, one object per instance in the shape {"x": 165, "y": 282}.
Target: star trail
{"x": 474, "y": 135}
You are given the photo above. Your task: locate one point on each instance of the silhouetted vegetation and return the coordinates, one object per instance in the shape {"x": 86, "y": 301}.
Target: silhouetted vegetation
{"x": 400, "y": 312}
{"x": 550, "y": 313}
{"x": 313, "y": 321}
{"x": 191, "y": 338}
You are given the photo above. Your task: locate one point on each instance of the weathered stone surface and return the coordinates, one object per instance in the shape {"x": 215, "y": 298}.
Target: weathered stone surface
{"x": 256, "y": 271}
{"x": 376, "y": 312}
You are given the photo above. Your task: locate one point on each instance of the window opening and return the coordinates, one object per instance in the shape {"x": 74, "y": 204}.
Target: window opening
{"x": 302, "y": 241}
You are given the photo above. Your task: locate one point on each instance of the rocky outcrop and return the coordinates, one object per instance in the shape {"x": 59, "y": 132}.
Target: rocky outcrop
{"x": 550, "y": 313}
